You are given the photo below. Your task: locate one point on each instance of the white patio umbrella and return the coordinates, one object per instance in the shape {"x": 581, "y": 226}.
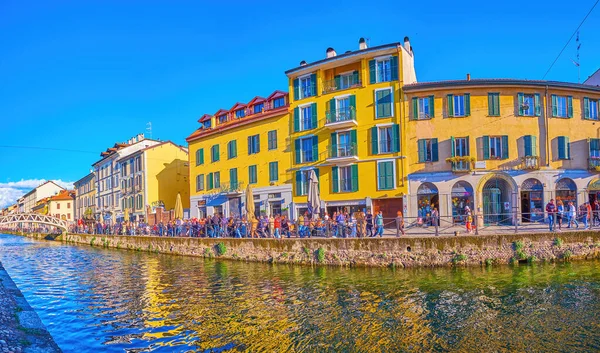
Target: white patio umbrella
{"x": 314, "y": 199}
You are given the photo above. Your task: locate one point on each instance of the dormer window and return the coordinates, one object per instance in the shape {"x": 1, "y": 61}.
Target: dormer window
{"x": 279, "y": 102}
{"x": 240, "y": 113}
{"x": 222, "y": 119}
{"x": 258, "y": 108}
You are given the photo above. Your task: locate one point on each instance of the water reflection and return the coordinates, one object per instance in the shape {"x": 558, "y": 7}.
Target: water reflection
{"x": 105, "y": 300}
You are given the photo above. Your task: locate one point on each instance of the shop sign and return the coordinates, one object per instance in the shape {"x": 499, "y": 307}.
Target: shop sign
{"x": 480, "y": 165}
{"x": 156, "y": 204}
{"x": 347, "y": 203}
{"x": 202, "y": 203}
{"x": 507, "y": 206}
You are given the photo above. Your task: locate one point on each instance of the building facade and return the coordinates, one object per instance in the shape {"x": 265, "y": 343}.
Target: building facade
{"x": 346, "y": 125}
{"x": 245, "y": 145}
{"x": 62, "y": 205}
{"x": 502, "y": 147}
{"x": 152, "y": 177}
{"x": 46, "y": 189}
{"x": 85, "y": 196}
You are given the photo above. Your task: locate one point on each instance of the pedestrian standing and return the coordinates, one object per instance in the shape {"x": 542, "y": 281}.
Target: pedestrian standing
{"x": 399, "y": 223}
{"x": 551, "y": 211}
{"x": 469, "y": 222}
{"x": 572, "y": 215}
{"x": 379, "y": 224}
{"x": 596, "y": 210}
{"x": 369, "y": 224}
{"x": 560, "y": 211}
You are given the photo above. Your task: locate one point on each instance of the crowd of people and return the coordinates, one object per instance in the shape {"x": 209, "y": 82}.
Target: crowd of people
{"x": 560, "y": 214}
{"x": 339, "y": 225}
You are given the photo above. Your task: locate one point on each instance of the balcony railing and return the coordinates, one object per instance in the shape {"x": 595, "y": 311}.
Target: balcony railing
{"x": 342, "y": 151}
{"x": 342, "y": 82}
{"x": 340, "y": 115}
{"x": 530, "y": 162}
{"x": 594, "y": 164}
{"x": 232, "y": 187}
{"x": 346, "y": 185}
{"x": 461, "y": 163}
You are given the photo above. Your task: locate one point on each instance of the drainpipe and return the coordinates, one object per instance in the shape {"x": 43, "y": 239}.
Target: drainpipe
{"x": 546, "y": 127}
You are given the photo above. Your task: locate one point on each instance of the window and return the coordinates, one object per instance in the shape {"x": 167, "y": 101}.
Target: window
{"x": 233, "y": 178}
{"x": 385, "y": 139}
{"x": 279, "y": 102}
{"x": 231, "y": 149}
{"x": 495, "y": 147}
{"x": 200, "y": 156}
{"x": 302, "y": 181}
{"x": 68, "y": 205}
{"x": 428, "y": 150}
{"x": 459, "y": 105}
{"x": 140, "y": 203}
{"x": 222, "y": 119}
{"x": 252, "y": 174}
{"x": 199, "y": 182}
{"x": 343, "y": 144}
{"x": 214, "y": 153}
{"x": 384, "y": 103}
{"x": 345, "y": 179}
{"x": 272, "y": 137}
{"x": 306, "y": 149}
{"x": 253, "y": 144}
{"x": 240, "y": 113}
{"x": 58, "y": 206}
{"x": 258, "y": 108}
{"x": 307, "y": 86}
{"x": 217, "y": 176}
{"x": 305, "y": 117}
{"x": 494, "y": 104}
{"x": 590, "y": 108}
{"x": 273, "y": 171}
{"x": 529, "y": 104}
{"x": 348, "y": 80}
{"x": 530, "y": 145}
{"x": 564, "y": 147}
{"x": 460, "y": 146}
{"x": 385, "y": 175}
{"x": 562, "y": 106}
{"x": 595, "y": 149}
{"x": 209, "y": 181}
{"x": 422, "y": 108}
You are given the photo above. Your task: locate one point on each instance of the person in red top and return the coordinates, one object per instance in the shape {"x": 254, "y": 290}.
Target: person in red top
{"x": 277, "y": 226}
{"x": 551, "y": 210}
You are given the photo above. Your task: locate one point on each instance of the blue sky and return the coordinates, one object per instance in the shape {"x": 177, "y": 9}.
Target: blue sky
{"x": 81, "y": 75}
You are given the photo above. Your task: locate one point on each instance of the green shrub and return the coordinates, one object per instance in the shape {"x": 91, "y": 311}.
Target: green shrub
{"x": 207, "y": 252}
{"x": 306, "y": 251}
{"x": 459, "y": 258}
{"x": 92, "y": 241}
{"x": 531, "y": 259}
{"x": 513, "y": 260}
{"x": 320, "y": 255}
{"x": 558, "y": 242}
{"x": 284, "y": 254}
{"x": 521, "y": 255}
{"x": 567, "y": 255}
{"x": 221, "y": 249}
{"x": 489, "y": 262}
{"x": 518, "y": 245}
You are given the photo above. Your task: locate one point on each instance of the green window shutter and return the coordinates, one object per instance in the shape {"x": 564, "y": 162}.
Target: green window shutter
{"x": 490, "y": 104}
{"x": 594, "y": 144}
{"x": 390, "y": 175}
{"x": 493, "y": 104}
{"x": 520, "y": 101}
{"x": 486, "y": 147}
{"x": 527, "y": 145}
{"x": 257, "y": 143}
{"x": 570, "y": 106}
{"x": 317, "y": 175}
{"x": 352, "y": 101}
{"x": 354, "y": 169}
{"x": 467, "y": 104}
{"x": 434, "y": 150}
{"x": 296, "y": 119}
{"x": 431, "y": 107}
{"x": 554, "y": 105}
{"x": 315, "y": 148}
{"x": 298, "y": 183}
{"x": 381, "y": 173}
{"x": 233, "y": 177}
{"x": 218, "y": 155}
{"x": 450, "y": 100}
{"x": 394, "y": 67}
{"x": 209, "y": 181}
{"x": 468, "y": 146}
{"x": 415, "y": 108}
{"x": 396, "y": 137}
{"x": 586, "y": 108}
{"x": 234, "y": 148}
{"x": 297, "y": 151}
{"x": 313, "y": 85}
{"x": 249, "y": 145}
{"x": 538, "y": 105}
{"x": 313, "y": 111}
{"x": 296, "y": 89}
{"x": 334, "y": 179}
{"x": 273, "y": 171}
{"x": 353, "y": 140}
{"x": 374, "y": 140}
{"x": 336, "y": 80}
{"x": 252, "y": 174}
{"x": 568, "y": 147}
{"x": 372, "y": 73}
{"x": 452, "y": 147}
{"x": 562, "y": 153}
{"x": 505, "y": 147}
{"x": 534, "y": 145}
{"x": 332, "y": 109}
{"x": 422, "y": 149}
{"x": 334, "y": 144}
{"x": 217, "y": 177}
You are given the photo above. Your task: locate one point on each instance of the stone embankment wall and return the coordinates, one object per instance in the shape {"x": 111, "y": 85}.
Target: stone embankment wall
{"x": 379, "y": 252}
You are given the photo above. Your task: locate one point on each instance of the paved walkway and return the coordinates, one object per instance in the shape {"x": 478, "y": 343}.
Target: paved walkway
{"x": 21, "y": 330}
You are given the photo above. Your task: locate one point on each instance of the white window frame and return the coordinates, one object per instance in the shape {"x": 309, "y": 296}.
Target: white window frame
{"x": 392, "y": 102}
{"x": 302, "y": 150}
{"x": 565, "y": 105}
{"x": 456, "y": 113}
{"x": 301, "y": 109}
{"x": 594, "y": 113}
{"x": 455, "y": 144}
{"x": 344, "y": 167}
{"x": 496, "y": 144}
{"x": 348, "y": 76}
{"x": 394, "y": 173}
{"x": 300, "y": 91}
{"x": 420, "y": 113}
{"x": 379, "y": 59}
{"x": 379, "y": 139}
{"x": 530, "y": 107}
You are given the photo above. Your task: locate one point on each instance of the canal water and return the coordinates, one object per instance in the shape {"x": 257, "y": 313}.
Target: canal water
{"x": 98, "y": 300}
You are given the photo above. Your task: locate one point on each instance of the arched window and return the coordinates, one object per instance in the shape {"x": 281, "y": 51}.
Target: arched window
{"x": 566, "y": 191}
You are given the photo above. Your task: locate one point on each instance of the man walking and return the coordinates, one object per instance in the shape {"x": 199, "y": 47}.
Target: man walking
{"x": 379, "y": 224}
{"x": 551, "y": 210}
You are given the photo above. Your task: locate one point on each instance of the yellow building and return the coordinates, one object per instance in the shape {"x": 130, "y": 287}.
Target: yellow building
{"x": 247, "y": 144}
{"x": 502, "y": 147}
{"x": 152, "y": 177}
{"x": 85, "y": 198}
{"x": 346, "y": 125}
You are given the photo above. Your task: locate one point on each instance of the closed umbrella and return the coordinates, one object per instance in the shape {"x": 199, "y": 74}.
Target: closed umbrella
{"x": 126, "y": 215}
{"x": 178, "y": 207}
{"x": 314, "y": 199}
{"x": 249, "y": 203}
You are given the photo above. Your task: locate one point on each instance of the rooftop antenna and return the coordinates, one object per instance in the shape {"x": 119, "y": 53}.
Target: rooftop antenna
{"x": 577, "y": 62}
{"x": 149, "y": 129}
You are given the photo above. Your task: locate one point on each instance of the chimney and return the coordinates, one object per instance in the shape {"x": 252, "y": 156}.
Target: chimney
{"x": 407, "y": 45}
{"x": 468, "y": 77}
{"x": 330, "y": 52}
{"x": 362, "y": 44}
{"x": 303, "y": 63}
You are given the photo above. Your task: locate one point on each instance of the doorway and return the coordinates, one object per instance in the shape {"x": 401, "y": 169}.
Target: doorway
{"x": 532, "y": 201}
{"x": 497, "y": 205}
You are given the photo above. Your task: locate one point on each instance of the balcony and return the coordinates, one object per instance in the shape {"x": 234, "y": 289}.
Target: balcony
{"x": 342, "y": 83}
{"x": 235, "y": 188}
{"x": 530, "y": 163}
{"x": 461, "y": 164}
{"x": 341, "y": 118}
{"x": 594, "y": 164}
{"x": 344, "y": 153}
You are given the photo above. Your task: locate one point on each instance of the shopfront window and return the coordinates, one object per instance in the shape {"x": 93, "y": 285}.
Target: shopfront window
{"x": 566, "y": 191}
{"x": 427, "y": 200}
{"x": 462, "y": 201}
{"x": 532, "y": 201}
